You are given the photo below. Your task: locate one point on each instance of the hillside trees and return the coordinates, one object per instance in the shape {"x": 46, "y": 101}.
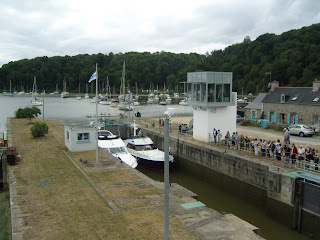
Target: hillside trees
{"x": 291, "y": 57}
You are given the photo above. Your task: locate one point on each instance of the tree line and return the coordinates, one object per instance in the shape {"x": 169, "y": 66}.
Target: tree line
{"x": 291, "y": 58}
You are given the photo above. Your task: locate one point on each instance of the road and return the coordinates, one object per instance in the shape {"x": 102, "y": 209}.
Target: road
{"x": 266, "y": 134}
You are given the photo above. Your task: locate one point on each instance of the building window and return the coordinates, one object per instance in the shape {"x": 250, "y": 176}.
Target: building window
{"x": 226, "y": 92}
{"x": 211, "y": 92}
{"x": 203, "y": 92}
{"x": 219, "y": 92}
{"x": 283, "y": 98}
{"x": 253, "y": 113}
{"x": 315, "y": 120}
{"x": 83, "y": 136}
{"x": 68, "y": 135}
{"x": 197, "y": 92}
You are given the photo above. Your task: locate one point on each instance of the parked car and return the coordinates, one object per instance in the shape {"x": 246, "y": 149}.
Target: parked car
{"x": 239, "y": 118}
{"x": 301, "y": 130}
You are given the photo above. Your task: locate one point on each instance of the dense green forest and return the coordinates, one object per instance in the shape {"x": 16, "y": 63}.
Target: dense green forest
{"x": 292, "y": 58}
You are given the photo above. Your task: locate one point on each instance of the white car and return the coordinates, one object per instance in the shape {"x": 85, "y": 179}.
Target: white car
{"x": 301, "y": 130}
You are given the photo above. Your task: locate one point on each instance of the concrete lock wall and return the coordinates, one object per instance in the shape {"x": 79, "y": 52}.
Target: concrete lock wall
{"x": 251, "y": 171}
{"x": 260, "y": 178}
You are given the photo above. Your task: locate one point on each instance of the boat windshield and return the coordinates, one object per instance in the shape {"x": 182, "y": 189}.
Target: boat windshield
{"x": 143, "y": 147}
{"x": 118, "y": 150}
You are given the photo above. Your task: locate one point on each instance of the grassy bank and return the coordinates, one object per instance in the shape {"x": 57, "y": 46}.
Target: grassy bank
{"x": 4, "y": 216}
{"x": 68, "y": 207}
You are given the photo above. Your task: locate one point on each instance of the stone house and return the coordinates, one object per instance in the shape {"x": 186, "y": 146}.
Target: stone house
{"x": 293, "y": 105}
{"x": 254, "y": 109}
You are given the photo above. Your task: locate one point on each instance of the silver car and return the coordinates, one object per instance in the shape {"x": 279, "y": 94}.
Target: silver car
{"x": 301, "y": 130}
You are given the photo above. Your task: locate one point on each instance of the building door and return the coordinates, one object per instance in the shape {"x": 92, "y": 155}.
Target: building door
{"x": 282, "y": 118}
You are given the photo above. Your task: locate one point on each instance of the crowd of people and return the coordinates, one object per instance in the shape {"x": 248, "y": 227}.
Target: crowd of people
{"x": 306, "y": 157}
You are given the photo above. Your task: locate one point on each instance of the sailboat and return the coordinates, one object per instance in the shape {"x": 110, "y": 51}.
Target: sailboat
{"x": 105, "y": 100}
{"x": 56, "y": 91}
{"x": 64, "y": 94}
{"x": 9, "y": 93}
{"x": 184, "y": 100}
{"x": 35, "y": 101}
{"x": 123, "y": 104}
{"x": 135, "y": 100}
{"x": 86, "y": 96}
{"x": 79, "y": 97}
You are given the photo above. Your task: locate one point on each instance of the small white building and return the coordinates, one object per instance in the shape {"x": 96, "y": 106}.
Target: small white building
{"x": 215, "y": 105}
{"x": 79, "y": 138}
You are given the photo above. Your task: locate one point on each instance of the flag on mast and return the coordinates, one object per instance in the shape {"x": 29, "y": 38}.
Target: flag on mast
{"x": 93, "y": 77}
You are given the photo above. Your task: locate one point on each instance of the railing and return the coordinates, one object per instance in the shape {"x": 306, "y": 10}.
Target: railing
{"x": 309, "y": 170}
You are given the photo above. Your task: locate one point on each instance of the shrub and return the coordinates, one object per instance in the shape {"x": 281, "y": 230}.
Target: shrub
{"x": 39, "y": 130}
{"x": 246, "y": 123}
{"x": 28, "y": 112}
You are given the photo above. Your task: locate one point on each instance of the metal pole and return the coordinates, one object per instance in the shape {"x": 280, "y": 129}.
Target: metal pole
{"x": 97, "y": 148}
{"x": 43, "y": 109}
{"x": 166, "y": 179}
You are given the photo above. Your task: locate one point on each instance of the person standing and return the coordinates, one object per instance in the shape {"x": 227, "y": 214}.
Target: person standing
{"x": 215, "y": 133}
{"x": 219, "y": 136}
{"x": 301, "y": 152}
{"x": 316, "y": 159}
{"x": 287, "y": 151}
{"x": 278, "y": 151}
{"x": 263, "y": 148}
{"x": 226, "y": 138}
{"x": 236, "y": 140}
{"x": 272, "y": 147}
{"x": 294, "y": 152}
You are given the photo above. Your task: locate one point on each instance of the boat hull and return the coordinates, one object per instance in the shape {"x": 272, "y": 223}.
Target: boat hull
{"x": 155, "y": 165}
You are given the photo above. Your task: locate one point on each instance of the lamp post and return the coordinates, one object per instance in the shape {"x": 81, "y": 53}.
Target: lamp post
{"x": 168, "y": 113}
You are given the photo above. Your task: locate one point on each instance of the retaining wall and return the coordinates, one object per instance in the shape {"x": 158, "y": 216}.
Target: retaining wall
{"x": 278, "y": 189}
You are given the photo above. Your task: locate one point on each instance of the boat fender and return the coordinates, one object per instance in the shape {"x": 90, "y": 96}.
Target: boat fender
{"x": 120, "y": 159}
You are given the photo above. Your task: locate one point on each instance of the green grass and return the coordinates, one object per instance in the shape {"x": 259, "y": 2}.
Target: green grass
{"x": 4, "y": 216}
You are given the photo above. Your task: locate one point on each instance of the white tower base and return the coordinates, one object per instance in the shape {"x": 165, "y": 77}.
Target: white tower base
{"x": 206, "y": 119}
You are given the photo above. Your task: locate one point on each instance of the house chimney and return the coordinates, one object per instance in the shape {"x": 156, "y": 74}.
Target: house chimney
{"x": 316, "y": 85}
{"x": 274, "y": 84}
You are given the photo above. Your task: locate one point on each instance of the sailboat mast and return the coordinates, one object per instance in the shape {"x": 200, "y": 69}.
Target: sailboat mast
{"x": 123, "y": 79}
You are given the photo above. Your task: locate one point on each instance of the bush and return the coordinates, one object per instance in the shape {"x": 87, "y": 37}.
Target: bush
{"x": 246, "y": 123}
{"x": 28, "y": 112}
{"x": 39, "y": 130}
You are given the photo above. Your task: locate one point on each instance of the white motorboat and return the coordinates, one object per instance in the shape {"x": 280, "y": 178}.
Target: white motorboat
{"x": 115, "y": 146}
{"x": 183, "y": 102}
{"x": 142, "y": 148}
{"x": 125, "y": 106}
{"x": 104, "y": 101}
{"x": 150, "y": 100}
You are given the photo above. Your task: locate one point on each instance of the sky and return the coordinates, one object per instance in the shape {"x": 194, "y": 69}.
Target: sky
{"x": 32, "y": 28}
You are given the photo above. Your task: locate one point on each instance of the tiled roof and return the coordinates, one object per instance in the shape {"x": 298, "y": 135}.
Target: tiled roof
{"x": 293, "y": 95}
{"x": 257, "y": 102}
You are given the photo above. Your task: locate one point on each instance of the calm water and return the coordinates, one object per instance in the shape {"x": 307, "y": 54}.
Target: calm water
{"x": 69, "y": 108}
{"x": 210, "y": 194}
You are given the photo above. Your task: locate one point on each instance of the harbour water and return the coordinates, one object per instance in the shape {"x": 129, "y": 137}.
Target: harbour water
{"x": 70, "y": 108}
{"x": 209, "y": 191}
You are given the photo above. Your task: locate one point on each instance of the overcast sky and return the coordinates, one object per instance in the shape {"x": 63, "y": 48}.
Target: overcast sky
{"x": 32, "y": 28}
